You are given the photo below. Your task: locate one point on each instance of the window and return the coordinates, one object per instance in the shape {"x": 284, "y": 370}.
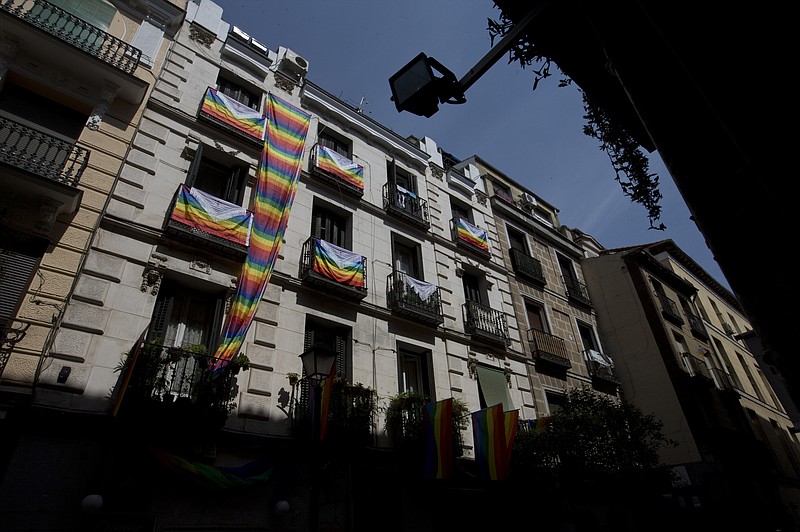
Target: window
{"x": 406, "y": 258}
{"x": 702, "y": 309}
{"x": 334, "y": 336}
{"x": 34, "y": 110}
{"x": 472, "y": 287}
{"x": 19, "y": 257}
{"x": 98, "y": 13}
{"x": 517, "y": 240}
{"x": 239, "y": 93}
{"x": 329, "y": 226}
{"x": 218, "y": 174}
{"x": 727, "y": 363}
{"x": 400, "y": 177}
{"x": 567, "y": 270}
{"x": 185, "y": 317}
{"x": 535, "y": 315}
{"x": 493, "y": 388}
{"x": 502, "y": 192}
{"x": 414, "y": 370}
{"x": 335, "y": 143}
{"x": 543, "y": 215}
{"x": 587, "y": 336}
{"x": 555, "y": 401}
{"x": 460, "y": 210}
{"x": 735, "y": 325}
{"x": 750, "y": 377}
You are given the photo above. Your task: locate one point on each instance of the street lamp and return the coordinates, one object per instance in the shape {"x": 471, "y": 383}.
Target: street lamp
{"x": 318, "y": 361}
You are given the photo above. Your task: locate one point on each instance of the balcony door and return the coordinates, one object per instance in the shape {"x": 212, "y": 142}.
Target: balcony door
{"x": 218, "y": 174}
{"x": 184, "y": 318}
{"x": 406, "y": 260}
{"x": 472, "y": 288}
{"x": 329, "y": 226}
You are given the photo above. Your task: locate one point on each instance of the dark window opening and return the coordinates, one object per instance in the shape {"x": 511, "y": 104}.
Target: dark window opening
{"x": 218, "y": 174}
{"x": 34, "y": 110}
{"x": 239, "y": 93}
{"x": 329, "y": 226}
{"x": 342, "y": 147}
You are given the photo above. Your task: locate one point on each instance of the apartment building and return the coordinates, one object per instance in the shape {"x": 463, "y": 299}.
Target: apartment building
{"x": 675, "y": 334}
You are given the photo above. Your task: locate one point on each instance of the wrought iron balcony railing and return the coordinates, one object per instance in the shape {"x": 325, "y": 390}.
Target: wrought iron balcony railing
{"x": 412, "y": 298}
{"x": 577, "y": 291}
{"x": 546, "y": 347}
{"x": 600, "y": 371}
{"x": 76, "y": 32}
{"x": 696, "y": 325}
{"x": 337, "y": 171}
{"x": 470, "y": 237}
{"x": 696, "y": 366}
{"x": 344, "y": 276}
{"x": 527, "y": 266}
{"x": 669, "y": 309}
{"x": 189, "y": 219}
{"x": 485, "y": 323}
{"x": 351, "y": 414}
{"x": 178, "y": 381}
{"x": 722, "y": 379}
{"x": 41, "y": 154}
{"x": 406, "y": 205}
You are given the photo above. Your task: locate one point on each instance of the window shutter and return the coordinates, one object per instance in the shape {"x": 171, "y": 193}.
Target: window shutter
{"x": 304, "y": 390}
{"x": 160, "y": 319}
{"x": 234, "y": 188}
{"x": 16, "y": 271}
{"x": 216, "y": 326}
{"x": 191, "y": 175}
{"x": 341, "y": 356}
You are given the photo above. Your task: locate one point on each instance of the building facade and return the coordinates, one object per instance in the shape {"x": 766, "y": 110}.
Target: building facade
{"x": 675, "y": 331}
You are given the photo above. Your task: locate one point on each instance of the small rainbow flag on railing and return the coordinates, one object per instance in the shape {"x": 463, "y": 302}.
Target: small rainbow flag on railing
{"x": 339, "y": 264}
{"x": 437, "y": 422}
{"x": 494, "y": 432}
{"x": 234, "y": 114}
{"x": 475, "y": 236}
{"x": 198, "y": 210}
{"x": 333, "y": 163}
{"x": 287, "y": 127}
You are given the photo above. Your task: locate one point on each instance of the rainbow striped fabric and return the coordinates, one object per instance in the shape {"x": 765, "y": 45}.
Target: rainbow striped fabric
{"x": 233, "y": 114}
{"x": 279, "y": 168}
{"x": 201, "y": 211}
{"x": 339, "y": 264}
{"x": 474, "y": 236}
{"x": 339, "y": 166}
{"x": 494, "y": 432}
{"x": 437, "y": 422}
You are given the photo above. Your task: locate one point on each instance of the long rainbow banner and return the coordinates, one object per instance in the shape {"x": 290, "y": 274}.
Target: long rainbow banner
{"x": 437, "y": 421}
{"x": 201, "y": 211}
{"x": 340, "y": 166}
{"x": 278, "y": 170}
{"x": 339, "y": 264}
{"x": 474, "y": 236}
{"x": 234, "y": 114}
{"x": 494, "y": 432}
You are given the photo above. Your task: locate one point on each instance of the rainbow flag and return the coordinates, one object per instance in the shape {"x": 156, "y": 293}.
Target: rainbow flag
{"x": 204, "y": 212}
{"x": 325, "y": 402}
{"x": 337, "y": 165}
{"x": 279, "y": 168}
{"x": 233, "y": 114}
{"x": 474, "y": 236}
{"x": 339, "y": 264}
{"x": 437, "y": 422}
{"x": 494, "y": 432}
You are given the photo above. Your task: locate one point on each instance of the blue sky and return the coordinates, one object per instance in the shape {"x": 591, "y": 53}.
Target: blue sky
{"x": 535, "y": 137}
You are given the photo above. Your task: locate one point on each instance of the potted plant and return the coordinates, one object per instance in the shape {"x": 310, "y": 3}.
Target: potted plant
{"x": 293, "y": 377}
{"x": 240, "y": 361}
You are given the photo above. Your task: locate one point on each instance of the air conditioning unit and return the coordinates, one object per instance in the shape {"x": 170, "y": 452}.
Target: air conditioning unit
{"x": 291, "y": 64}
{"x": 527, "y": 200}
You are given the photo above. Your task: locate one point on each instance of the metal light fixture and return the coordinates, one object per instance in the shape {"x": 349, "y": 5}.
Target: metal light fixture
{"x": 318, "y": 361}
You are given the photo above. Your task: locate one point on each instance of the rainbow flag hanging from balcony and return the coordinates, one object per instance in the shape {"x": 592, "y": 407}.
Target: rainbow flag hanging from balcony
{"x": 234, "y": 114}
{"x": 278, "y": 170}
{"x": 494, "y": 432}
{"x": 474, "y": 236}
{"x": 204, "y": 212}
{"x": 339, "y": 264}
{"x": 340, "y": 166}
{"x": 437, "y": 423}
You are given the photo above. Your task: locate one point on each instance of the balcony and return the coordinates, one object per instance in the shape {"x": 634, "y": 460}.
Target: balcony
{"x": 232, "y": 116}
{"x": 697, "y": 327}
{"x": 600, "y": 367}
{"x": 209, "y": 221}
{"x": 333, "y": 269}
{"x": 470, "y": 237}
{"x": 669, "y": 309}
{"x": 414, "y": 299}
{"x": 351, "y": 415}
{"x": 406, "y": 205}
{"x": 722, "y": 380}
{"x": 55, "y": 166}
{"x": 576, "y": 291}
{"x": 337, "y": 171}
{"x": 175, "y": 386}
{"x": 526, "y": 266}
{"x": 548, "y": 348}
{"x": 485, "y": 324}
{"x": 696, "y": 366}
{"x": 91, "y": 53}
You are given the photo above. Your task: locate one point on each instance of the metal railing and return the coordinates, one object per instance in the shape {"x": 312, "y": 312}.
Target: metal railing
{"x": 407, "y": 205}
{"x": 526, "y": 265}
{"x": 696, "y": 324}
{"x": 486, "y": 323}
{"x": 404, "y": 298}
{"x": 723, "y": 380}
{"x": 576, "y": 290}
{"x": 41, "y": 154}
{"x": 75, "y": 31}
{"x": 696, "y": 366}
{"x": 308, "y": 274}
{"x": 599, "y": 371}
{"x": 668, "y": 308}
{"x": 549, "y": 348}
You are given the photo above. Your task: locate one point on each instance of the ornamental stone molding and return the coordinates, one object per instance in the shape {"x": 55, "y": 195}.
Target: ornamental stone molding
{"x": 481, "y": 197}
{"x": 107, "y": 95}
{"x": 284, "y": 83}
